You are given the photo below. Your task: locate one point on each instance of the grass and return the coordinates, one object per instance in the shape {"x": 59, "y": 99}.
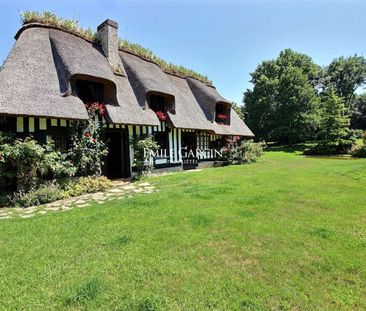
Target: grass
{"x": 286, "y": 233}
{"x": 72, "y": 25}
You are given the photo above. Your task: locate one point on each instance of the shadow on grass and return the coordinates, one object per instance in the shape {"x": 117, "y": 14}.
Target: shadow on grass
{"x": 289, "y": 148}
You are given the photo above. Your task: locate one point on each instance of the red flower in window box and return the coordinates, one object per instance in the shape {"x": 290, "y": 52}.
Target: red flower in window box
{"x": 222, "y": 117}
{"x": 96, "y": 107}
{"x": 94, "y": 140}
{"x": 87, "y": 134}
{"x": 162, "y": 116}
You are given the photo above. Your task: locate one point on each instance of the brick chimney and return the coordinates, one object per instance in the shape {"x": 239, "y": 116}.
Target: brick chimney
{"x": 107, "y": 34}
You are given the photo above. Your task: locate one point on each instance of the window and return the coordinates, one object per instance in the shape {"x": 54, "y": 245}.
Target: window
{"x": 157, "y": 103}
{"x": 90, "y": 91}
{"x": 222, "y": 114}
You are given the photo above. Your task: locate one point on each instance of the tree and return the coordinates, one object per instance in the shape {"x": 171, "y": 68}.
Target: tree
{"x": 238, "y": 109}
{"x": 358, "y": 114}
{"x": 335, "y": 120}
{"x": 334, "y": 126}
{"x": 283, "y": 104}
{"x": 346, "y": 75}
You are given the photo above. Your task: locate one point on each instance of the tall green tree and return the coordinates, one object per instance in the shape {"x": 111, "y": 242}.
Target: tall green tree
{"x": 335, "y": 119}
{"x": 346, "y": 75}
{"x": 283, "y": 105}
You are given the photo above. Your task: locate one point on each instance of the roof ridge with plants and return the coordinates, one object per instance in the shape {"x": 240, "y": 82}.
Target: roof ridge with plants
{"x": 72, "y": 26}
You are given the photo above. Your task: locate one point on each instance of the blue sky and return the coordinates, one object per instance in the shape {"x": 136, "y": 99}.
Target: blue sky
{"x": 224, "y": 40}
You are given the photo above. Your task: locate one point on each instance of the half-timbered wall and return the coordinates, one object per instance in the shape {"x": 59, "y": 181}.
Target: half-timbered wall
{"x": 43, "y": 129}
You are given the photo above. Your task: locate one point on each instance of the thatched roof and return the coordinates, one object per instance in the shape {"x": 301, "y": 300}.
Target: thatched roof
{"x": 74, "y": 56}
{"x": 29, "y": 83}
{"x": 37, "y": 76}
{"x": 127, "y": 110}
{"x": 145, "y": 78}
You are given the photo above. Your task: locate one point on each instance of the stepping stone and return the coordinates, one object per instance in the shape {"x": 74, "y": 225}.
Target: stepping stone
{"x": 80, "y": 202}
{"x": 144, "y": 184}
{"x": 28, "y": 211}
{"x": 5, "y": 217}
{"x": 53, "y": 208}
{"x": 42, "y": 212}
{"x": 82, "y": 205}
{"x": 115, "y": 190}
{"x": 149, "y": 188}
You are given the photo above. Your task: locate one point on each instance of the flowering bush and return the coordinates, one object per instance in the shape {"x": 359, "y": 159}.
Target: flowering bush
{"x": 162, "y": 116}
{"x": 95, "y": 108}
{"x": 87, "y": 184}
{"x": 238, "y": 152}
{"x": 28, "y": 162}
{"x": 88, "y": 150}
{"x": 143, "y": 163}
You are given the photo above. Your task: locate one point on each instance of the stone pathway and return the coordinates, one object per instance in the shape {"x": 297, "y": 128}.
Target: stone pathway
{"x": 120, "y": 190}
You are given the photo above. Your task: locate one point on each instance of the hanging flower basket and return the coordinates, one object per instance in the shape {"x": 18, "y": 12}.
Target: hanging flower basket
{"x": 162, "y": 116}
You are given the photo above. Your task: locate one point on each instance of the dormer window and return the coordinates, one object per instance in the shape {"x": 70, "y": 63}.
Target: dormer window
{"x": 89, "y": 91}
{"x": 222, "y": 114}
{"x": 161, "y": 104}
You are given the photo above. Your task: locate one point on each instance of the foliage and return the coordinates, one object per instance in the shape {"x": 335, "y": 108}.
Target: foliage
{"x": 253, "y": 151}
{"x": 335, "y": 119}
{"x": 32, "y": 161}
{"x": 88, "y": 149}
{"x": 239, "y": 151}
{"x": 358, "y": 112}
{"x": 89, "y": 184}
{"x": 71, "y": 25}
{"x": 7, "y": 173}
{"x": 143, "y": 159}
{"x": 334, "y": 127}
{"x": 55, "y": 164}
{"x": 357, "y": 134}
{"x": 346, "y": 74}
{"x": 49, "y": 18}
{"x": 46, "y": 193}
{"x": 330, "y": 147}
{"x": 238, "y": 109}
{"x": 283, "y": 105}
{"x": 359, "y": 151}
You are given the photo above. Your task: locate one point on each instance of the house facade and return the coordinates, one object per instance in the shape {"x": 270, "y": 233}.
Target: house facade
{"x": 51, "y": 73}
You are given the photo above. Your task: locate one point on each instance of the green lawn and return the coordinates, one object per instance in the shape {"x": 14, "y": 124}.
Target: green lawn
{"x": 286, "y": 233}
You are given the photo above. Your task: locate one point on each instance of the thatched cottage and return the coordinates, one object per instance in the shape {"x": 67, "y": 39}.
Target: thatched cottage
{"x": 50, "y": 73}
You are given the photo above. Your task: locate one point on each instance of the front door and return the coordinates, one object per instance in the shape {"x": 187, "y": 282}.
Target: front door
{"x": 117, "y": 162}
{"x": 189, "y": 145}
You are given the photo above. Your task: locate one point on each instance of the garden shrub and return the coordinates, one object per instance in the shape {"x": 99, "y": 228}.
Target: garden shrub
{"x": 340, "y": 146}
{"x": 46, "y": 193}
{"x": 252, "y": 150}
{"x": 242, "y": 151}
{"x": 359, "y": 151}
{"x": 26, "y": 162}
{"x": 89, "y": 184}
{"x": 88, "y": 150}
{"x": 143, "y": 162}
